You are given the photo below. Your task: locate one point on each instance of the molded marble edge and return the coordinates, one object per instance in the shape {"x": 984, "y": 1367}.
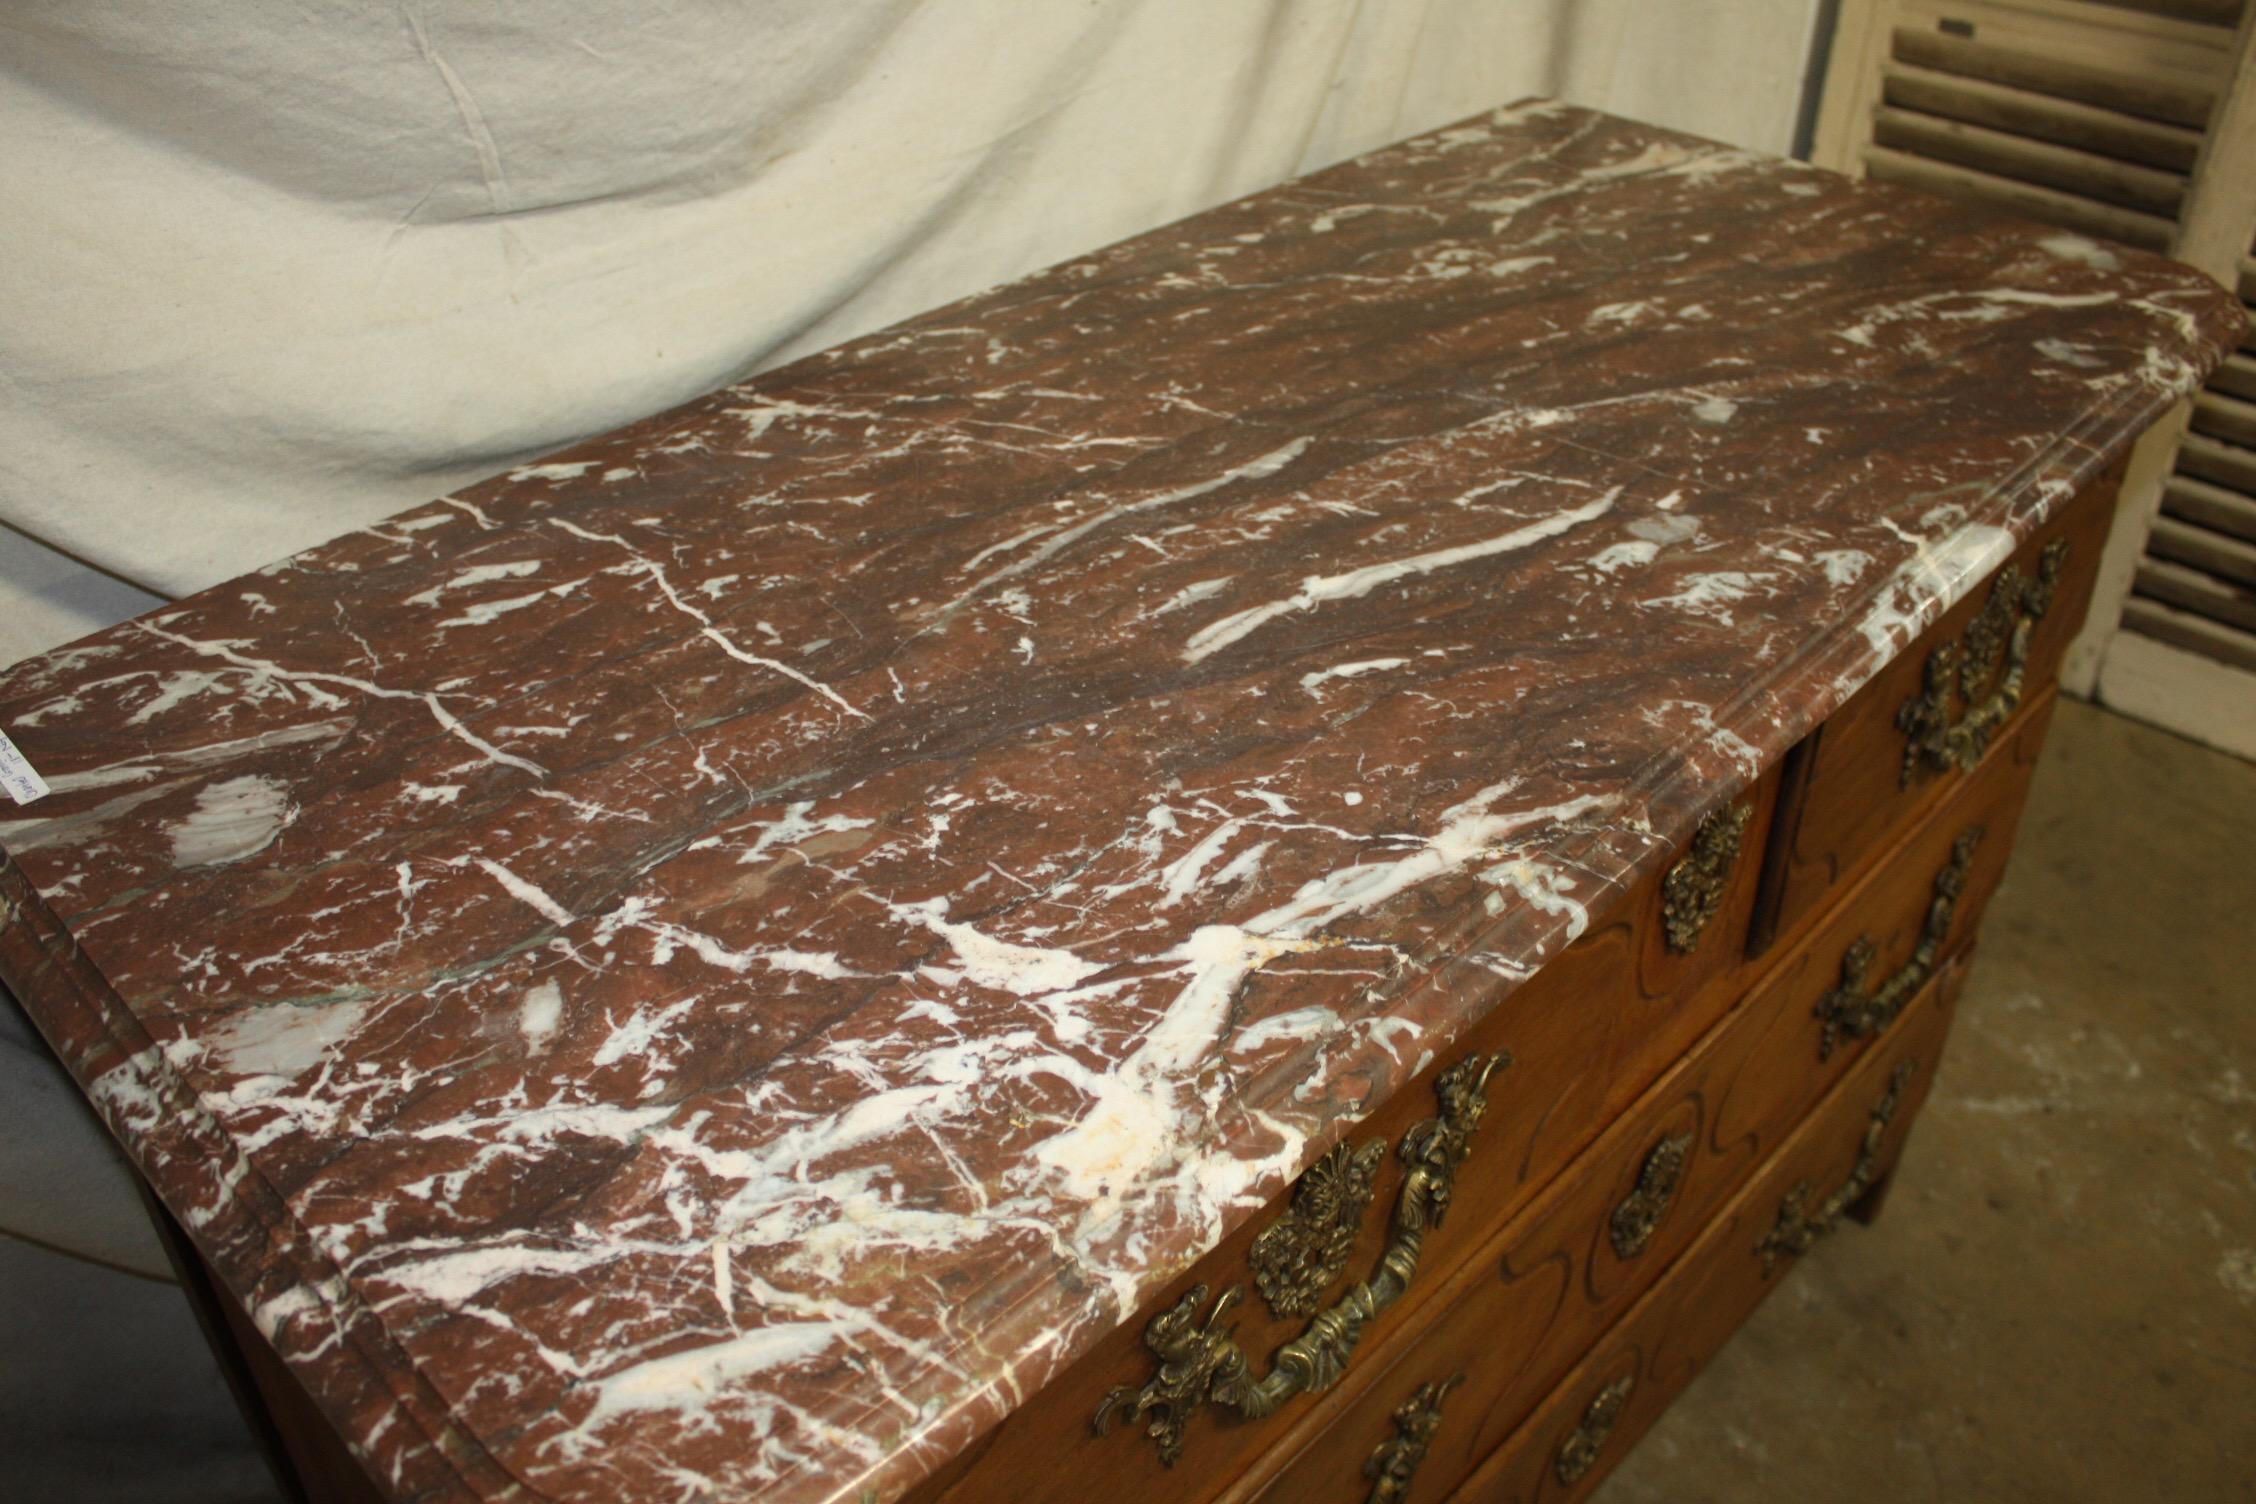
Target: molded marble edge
{"x": 246, "y": 1234}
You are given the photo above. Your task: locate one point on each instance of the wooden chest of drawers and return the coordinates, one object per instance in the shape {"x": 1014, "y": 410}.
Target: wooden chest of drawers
{"x": 1749, "y": 1044}
{"x": 1290, "y": 861}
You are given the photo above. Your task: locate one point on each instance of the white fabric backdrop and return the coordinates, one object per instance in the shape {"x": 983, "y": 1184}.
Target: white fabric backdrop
{"x": 271, "y": 269}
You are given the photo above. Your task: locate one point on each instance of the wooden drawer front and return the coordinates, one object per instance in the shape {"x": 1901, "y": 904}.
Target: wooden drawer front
{"x": 1586, "y": 1036}
{"x": 1849, "y": 977}
{"x": 1517, "y": 1314}
{"x": 1831, "y": 1167}
{"x": 1908, "y": 736}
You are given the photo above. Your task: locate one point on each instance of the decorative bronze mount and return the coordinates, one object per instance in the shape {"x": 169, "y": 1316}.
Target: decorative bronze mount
{"x": 1297, "y": 1257}
{"x": 1797, "y": 1228}
{"x": 1851, "y": 1012}
{"x": 1640, "y": 1212}
{"x": 1578, "y": 1454}
{"x": 1992, "y": 659}
{"x": 1393, "y": 1463}
{"x": 1200, "y": 1362}
{"x": 1693, "y": 890}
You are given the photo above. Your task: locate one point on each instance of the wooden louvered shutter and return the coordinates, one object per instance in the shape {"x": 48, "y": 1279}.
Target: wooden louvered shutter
{"x": 2132, "y": 121}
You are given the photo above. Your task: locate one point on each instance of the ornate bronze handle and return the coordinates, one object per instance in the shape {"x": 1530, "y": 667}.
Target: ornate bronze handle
{"x": 1641, "y": 1210}
{"x": 1393, "y": 1463}
{"x": 1578, "y": 1454}
{"x": 1997, "y": 639}
{"x": 1693, "y": 890}
{"x": 1200, "y": 1362}
{"x": 1849, "y": 1011}
{"x": 1797, "y": 1228}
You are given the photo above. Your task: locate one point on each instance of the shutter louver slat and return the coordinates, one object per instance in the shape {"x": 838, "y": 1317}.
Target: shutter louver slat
{"x": 2167, "y": 100}
{"x": 2042, "y": 117}
{"x": 2199, "y": 548}
{"x": 2227, "y": 465}
{"x": 2223, "y": 417}
{"x": 2195, "y": 634}
{"x": 2002, "y": 154}
{"x": 2068, "y": 210}
{"x": 2223, "y": 463}
{"x": 2200, "y": 594}
{"x": 2236, "y": 377}
{"x": 2206, "y": 12}
{"x": 2213, "y": 507}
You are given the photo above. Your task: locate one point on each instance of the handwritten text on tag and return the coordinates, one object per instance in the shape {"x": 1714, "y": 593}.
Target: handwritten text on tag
{"x": 18, "y": 777}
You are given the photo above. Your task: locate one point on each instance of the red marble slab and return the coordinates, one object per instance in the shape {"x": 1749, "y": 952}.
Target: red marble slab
{"x": 710, "y": 967}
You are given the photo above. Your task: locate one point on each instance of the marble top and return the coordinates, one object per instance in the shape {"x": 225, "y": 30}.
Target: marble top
{"x": 712, "y": 966}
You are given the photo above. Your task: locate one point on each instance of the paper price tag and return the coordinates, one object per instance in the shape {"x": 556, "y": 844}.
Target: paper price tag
{"x": 18, "y": 777}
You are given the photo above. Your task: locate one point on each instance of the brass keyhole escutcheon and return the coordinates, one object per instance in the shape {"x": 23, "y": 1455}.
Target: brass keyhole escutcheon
{"x": 1580, "y": 1452}
{"x": 1640, "y": 1213}
{"x": 1693, "y": 891}
{"x": 1393, "y": 1463}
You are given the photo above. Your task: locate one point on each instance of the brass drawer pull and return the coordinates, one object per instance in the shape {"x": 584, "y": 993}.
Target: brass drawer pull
{"x": 1693, "y": 890}
{"x": 1640, "y": 1212}
{"x": 1993, "y": 657}
{"x": 1200, "y": 1362}
{"x": 1393, "y": 1463}
{"x": 1578, "y": 1454}
{"x": 1797, "y": 1227}
{"x": 1850, "y": 1011}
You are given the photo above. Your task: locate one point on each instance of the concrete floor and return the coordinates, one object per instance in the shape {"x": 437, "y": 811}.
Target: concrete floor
{"x": 2059, "y": 1303}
